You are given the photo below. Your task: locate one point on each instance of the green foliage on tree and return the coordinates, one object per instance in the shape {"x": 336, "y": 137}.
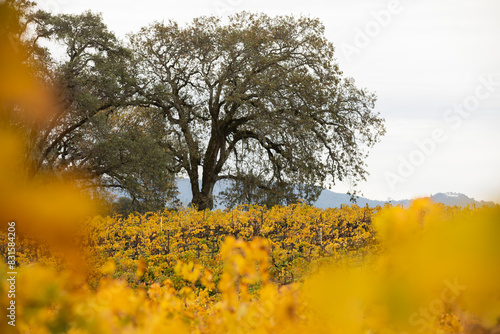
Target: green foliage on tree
{"x": 128, "y": 155}
{"x": 91, "y": 79}
{"x": 99, "y": 135}
{"x": 259, "y": 101}
{"x": 124, "y": 206}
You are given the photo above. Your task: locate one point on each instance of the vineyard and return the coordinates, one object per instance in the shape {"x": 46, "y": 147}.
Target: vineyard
{"x": 295, "y": 235}
{"x": 295, "y": 269}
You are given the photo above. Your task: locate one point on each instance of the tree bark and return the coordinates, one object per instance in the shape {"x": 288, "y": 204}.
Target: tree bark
{"x": 204, "y": 199}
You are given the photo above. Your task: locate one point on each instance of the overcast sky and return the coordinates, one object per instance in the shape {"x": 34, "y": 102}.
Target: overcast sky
{"x": 434, "y": 65}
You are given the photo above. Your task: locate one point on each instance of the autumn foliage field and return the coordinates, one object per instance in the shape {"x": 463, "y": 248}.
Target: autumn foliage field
{"x": 426, "y": 269}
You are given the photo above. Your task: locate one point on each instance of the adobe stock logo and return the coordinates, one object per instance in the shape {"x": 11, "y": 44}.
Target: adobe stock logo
{"x": 453, "y": 118}
{"x": 424, "y": 319}
{"x": 53, "y": 6}
{"x": 364, "y": 36}
{"x": 226, "y": 7}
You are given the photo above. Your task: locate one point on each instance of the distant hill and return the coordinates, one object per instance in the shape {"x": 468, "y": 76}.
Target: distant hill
{"x": 457, "y": 199}
{"x": 330, "y": 199}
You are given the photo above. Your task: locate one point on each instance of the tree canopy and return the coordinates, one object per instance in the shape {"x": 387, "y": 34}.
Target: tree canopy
{"x": 90, "y": 78}
{"x": 259, "y": 101}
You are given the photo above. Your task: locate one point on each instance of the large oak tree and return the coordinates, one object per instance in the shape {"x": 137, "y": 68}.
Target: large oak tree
{"x": 259, "y": 100}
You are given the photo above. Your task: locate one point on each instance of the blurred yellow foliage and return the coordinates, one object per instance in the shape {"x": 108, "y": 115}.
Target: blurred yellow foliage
{"x": 435, "y": 272}
{"x": 42, "y": 206}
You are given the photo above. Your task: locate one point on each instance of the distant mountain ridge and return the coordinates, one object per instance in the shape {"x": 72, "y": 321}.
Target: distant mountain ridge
{"x": 330, "y": 199}
{"x": 459, "y": 199}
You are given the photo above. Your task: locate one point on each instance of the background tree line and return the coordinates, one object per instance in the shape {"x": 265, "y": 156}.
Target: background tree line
{"x": 258, "y": 102}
